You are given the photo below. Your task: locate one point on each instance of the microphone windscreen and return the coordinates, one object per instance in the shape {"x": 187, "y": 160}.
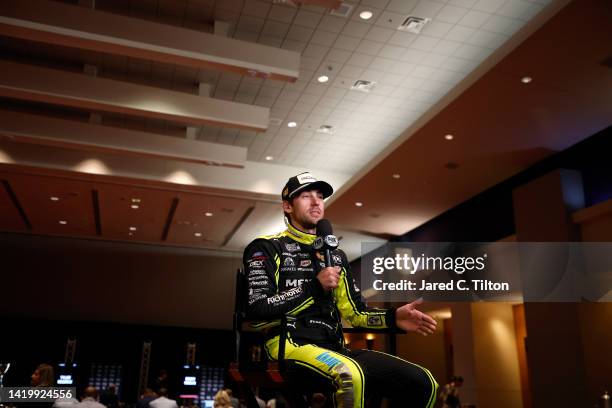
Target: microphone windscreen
{"x": 324, "y": 228}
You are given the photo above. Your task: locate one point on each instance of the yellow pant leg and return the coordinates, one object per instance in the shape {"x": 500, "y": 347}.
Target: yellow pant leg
{"x": 343, "y": 372}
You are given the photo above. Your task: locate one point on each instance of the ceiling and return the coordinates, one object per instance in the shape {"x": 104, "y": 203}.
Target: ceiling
{"x": 98, "y": 120}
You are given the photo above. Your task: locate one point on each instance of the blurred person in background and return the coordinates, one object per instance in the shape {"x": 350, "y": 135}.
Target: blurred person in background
{"x": 163, "y": 401}
{"x": 222, "y": 400}
{"x": 109, "y": 397}
{"x": 450, "y": 393}
{"x": 147, "y": 396}
{"x": 43, "y": 376}
{"x": 90, "y": 399}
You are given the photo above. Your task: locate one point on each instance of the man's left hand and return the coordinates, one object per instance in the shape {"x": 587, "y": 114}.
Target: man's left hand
{"x": 408, "y": 318}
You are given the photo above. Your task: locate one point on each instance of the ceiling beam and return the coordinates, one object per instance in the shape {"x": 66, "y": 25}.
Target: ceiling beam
{"x": 56, "y": 23}
{"x": 262, "y": 181}
{"x": 34, "y": 129}
{"x": 82, "y": 91}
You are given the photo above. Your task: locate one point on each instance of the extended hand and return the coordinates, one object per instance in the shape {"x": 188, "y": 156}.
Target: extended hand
{"x": 409, "y": 318}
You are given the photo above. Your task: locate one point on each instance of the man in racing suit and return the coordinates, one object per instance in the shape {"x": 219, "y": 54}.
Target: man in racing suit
{"x": 287, "y": 276}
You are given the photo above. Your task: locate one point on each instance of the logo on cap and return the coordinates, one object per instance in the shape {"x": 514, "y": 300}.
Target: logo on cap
{"x": 306, "y": 178}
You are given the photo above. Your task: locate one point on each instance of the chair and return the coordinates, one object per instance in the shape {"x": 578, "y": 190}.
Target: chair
{"x": 248, "y": 369}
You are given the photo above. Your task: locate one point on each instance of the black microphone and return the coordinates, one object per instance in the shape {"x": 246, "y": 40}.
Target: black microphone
{"x": 326, "y": 240}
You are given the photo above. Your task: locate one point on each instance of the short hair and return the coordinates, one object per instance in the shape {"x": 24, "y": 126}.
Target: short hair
{"x": 163, "y": 392}
{"x": 90, "y": 392}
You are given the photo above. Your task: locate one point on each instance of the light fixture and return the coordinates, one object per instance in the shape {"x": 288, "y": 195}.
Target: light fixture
{"x": 323, "y": 78}
{"x": 208, "y": 214}
{"x": 135, "y": 200}
{"x": 359, "y": 204}
{"x": 62, "y": 222}
{"x": 197, "y": 234}
{"x": 396, "y": 176}
{"x": 269, "y": 158}
{"x": 134, "y": 206}
{"x": 292, "y": 124}
{"x": 449, "y": 137}
{"x": 53, "y": 198}
{"x": 133, "y": 228}
{"x": 526, "y": 79}
{"x": 131, "y": 234}
{"x": 366, "y": 15}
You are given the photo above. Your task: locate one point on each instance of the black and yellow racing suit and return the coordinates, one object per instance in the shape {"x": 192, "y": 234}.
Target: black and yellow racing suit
{"x": 281, "y": 271}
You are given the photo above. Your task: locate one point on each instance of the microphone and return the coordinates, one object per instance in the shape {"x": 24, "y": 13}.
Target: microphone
{"x": 326, "y": 240}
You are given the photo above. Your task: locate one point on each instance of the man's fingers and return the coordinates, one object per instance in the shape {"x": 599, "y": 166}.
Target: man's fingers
{"x": 429, "y": 319}
{"x": 416, "y": 302}
{"x": 429, "y": 326}
{"x": 422, "y": 331}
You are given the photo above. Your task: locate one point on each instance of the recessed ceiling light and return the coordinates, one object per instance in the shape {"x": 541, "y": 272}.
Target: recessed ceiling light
{"x": 323, "y": 79}
{"x": 63, "y": 222}
{"x": 269, "y": 158}
{"x": 133, "y": 228}
{"x": 366, "y": 15}
{"x": 134, "y": 206}
{"x": 526, "y": 79}
{"x": 449, "y": 137}
{"x": 396, "y": 176}
{"x": 53, "y": 198}
{"x": 208, "y": 214}
{"x": 135, "y": 200}
{"x": 292, "y": 124}
{"x": 359, "y": 204}
{"x": 197, "y": 234}
{"x": 131, "y": 234}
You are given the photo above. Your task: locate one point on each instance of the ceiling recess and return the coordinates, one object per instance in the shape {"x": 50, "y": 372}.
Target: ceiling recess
{"x": 326, "y": 129}
{"x": 362, "y": 85}
{"x": 344, "y": 10}
{"x": 413, "y": 24}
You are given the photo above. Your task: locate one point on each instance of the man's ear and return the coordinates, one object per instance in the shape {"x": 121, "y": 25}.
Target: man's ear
{"x": 287, "y": 207}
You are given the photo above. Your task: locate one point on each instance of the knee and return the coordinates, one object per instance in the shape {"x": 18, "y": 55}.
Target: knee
{"x": 429, "y": 386}
{"x": 427, "y": 382}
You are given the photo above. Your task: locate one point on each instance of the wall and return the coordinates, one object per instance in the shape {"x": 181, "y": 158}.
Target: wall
{"x": 497, "y": 368}
{"x": 68, "y": 279}
{"x": 596, "y": 318}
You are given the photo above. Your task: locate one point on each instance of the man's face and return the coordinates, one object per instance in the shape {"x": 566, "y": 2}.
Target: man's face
{"x": 306, "y": 209}
{"x": 35, "y": 378}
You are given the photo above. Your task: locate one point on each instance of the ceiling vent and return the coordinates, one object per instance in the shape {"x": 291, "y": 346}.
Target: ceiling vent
{"x": 326, "y": 129}
{"x": 275, "y": 121}
{"x": 362, "y": 85}
{"x": 344, "y": 10}
{"x": 413, "y": 24}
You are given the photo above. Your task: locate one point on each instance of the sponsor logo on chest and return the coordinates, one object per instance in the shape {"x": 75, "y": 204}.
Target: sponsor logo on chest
{"x": 292, "y": 247}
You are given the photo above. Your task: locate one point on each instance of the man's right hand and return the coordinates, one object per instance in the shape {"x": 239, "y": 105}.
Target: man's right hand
{"x": 329, "y": 277}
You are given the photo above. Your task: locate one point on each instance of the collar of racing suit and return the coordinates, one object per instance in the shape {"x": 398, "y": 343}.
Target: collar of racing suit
{"x": 300, "y": 236}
